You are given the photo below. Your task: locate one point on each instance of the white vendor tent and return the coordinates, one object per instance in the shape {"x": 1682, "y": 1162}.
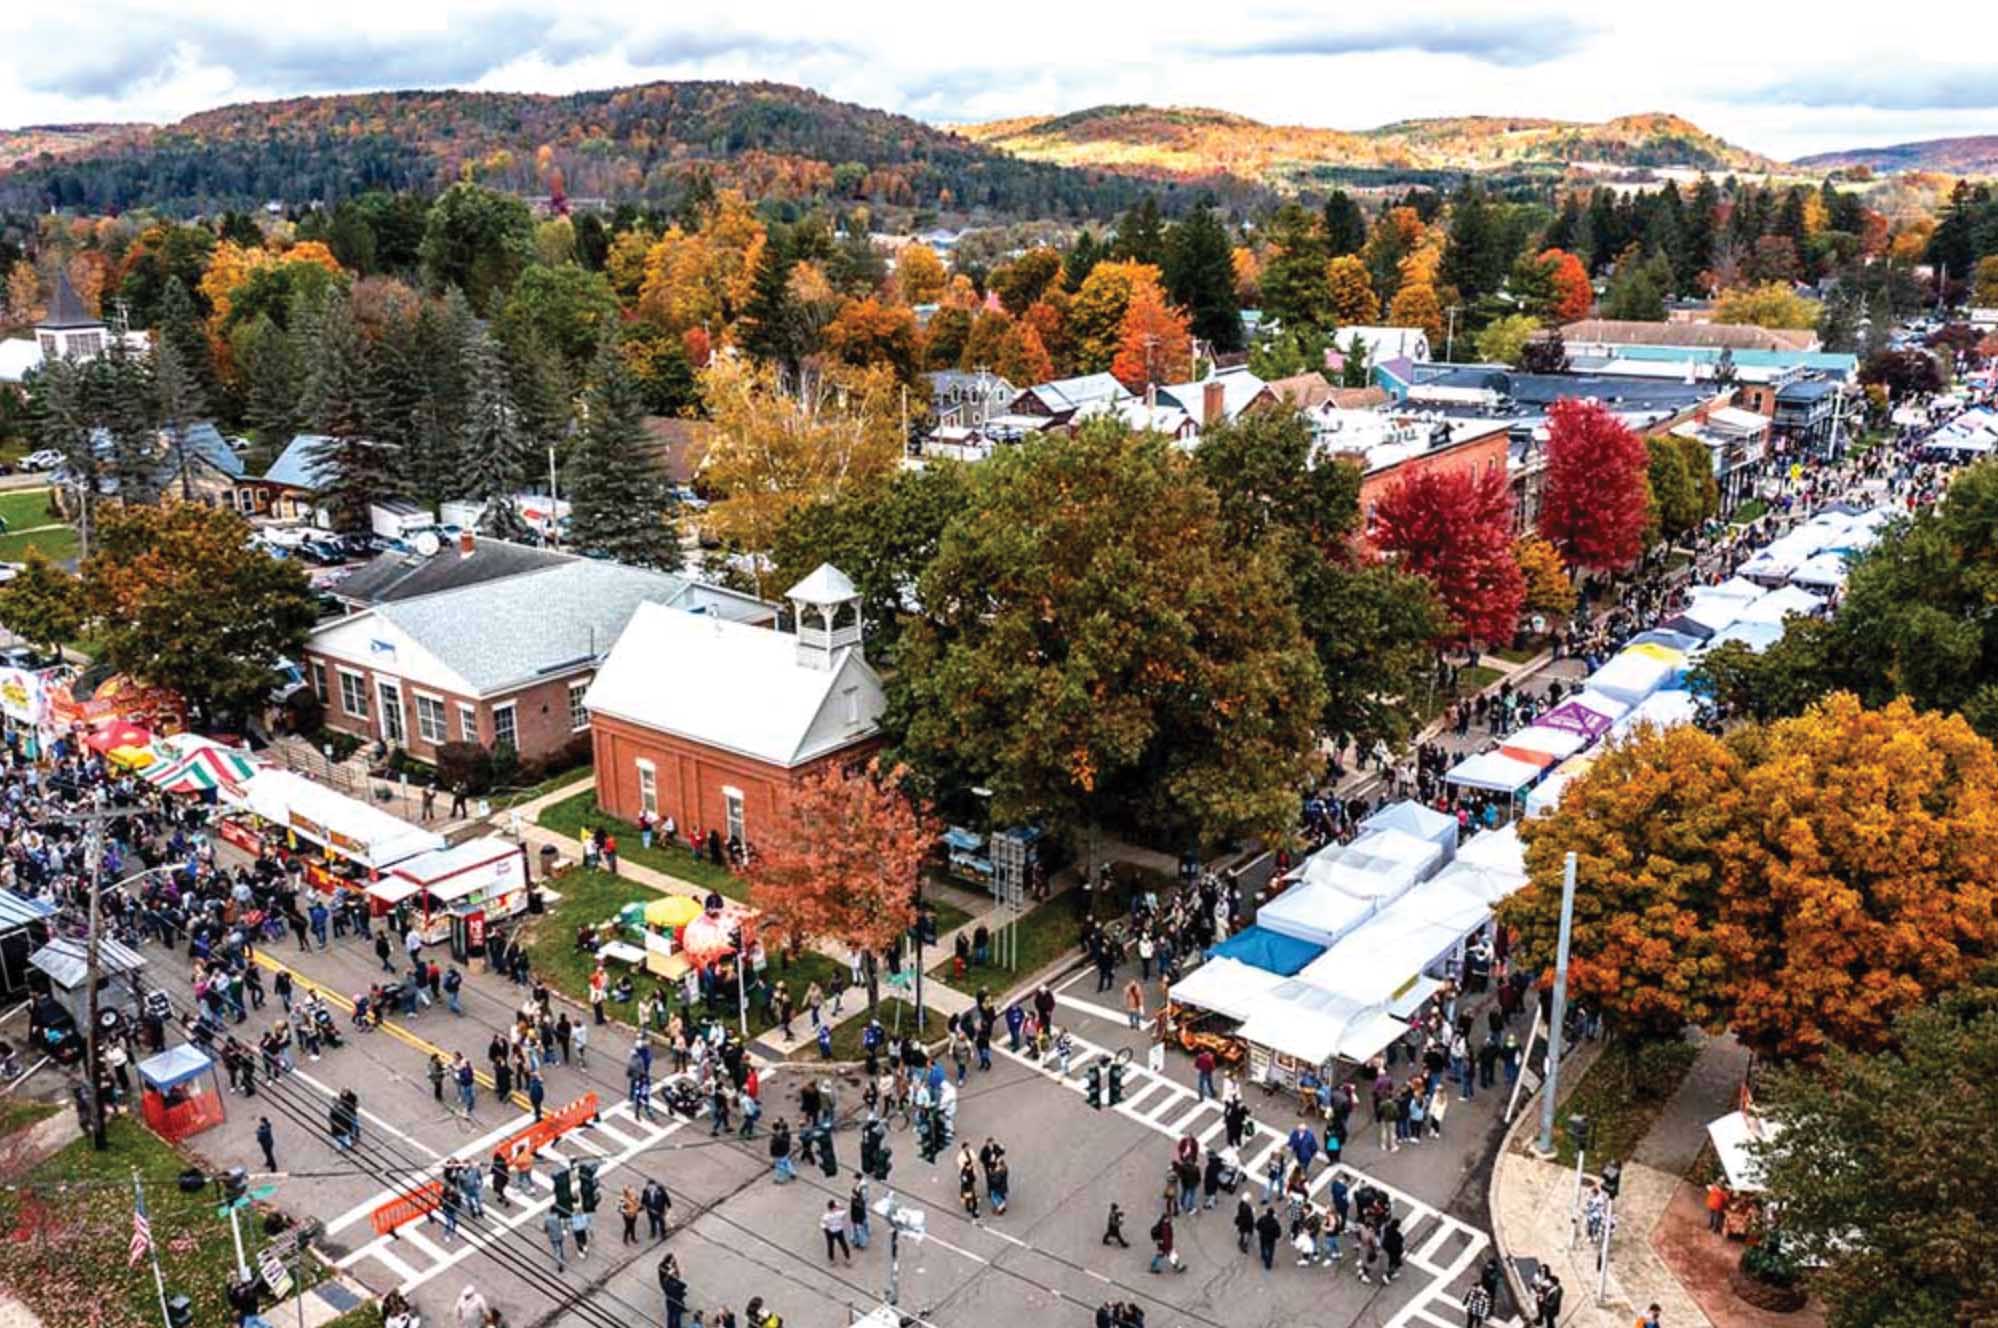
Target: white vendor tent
{"x": 1661, "y": 710}
{"x": 1394, "y": 946}
{"x": 1636, "y": 673}
{"x": 1490, "y": 884}
{"x": 351, "y": 828}
{"x": 1319, "y": 913}
{"x": 1732, "y": 1135}
{"x": 1226, "y": 986}
{"x": 1734, "y": 587}
{"x": 1316, "y": 1026}
{"x": 1380, "y": 865}
{"x": 1824, "y": 571}
{"x": 1757, "y": 636}
{"x": 1413, "y": 818}
{"x": 1536, "y": 741}
{"x": 1609, "y": 707}
{"x": 1499, "y": 850}
{"x": 1489, "y": 770}
{"x": 1545, "y": 796}
{"x": 1780, "y": 604}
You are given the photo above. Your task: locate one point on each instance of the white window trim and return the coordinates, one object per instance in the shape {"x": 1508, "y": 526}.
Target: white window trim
{"x": 360, "y": 678}
{"x": 401, "y": 714}
{"x": 468, "y": 722}
{"x": 738, "y": 831}
{"x": 648, "y": 786}
{"x": 576, "y": 708}
{"x": 508, "y": 709}
{"x": 443, "y": 716}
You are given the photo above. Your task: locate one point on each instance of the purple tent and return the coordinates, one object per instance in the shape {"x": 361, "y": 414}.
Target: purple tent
{"x": 1576, "y": 718}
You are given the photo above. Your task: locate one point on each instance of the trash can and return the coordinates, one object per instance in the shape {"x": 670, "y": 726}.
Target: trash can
{"x": 548, "y": 856}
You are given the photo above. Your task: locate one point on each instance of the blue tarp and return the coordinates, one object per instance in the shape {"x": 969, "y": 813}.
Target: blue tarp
{"x": 1273, "y": 952}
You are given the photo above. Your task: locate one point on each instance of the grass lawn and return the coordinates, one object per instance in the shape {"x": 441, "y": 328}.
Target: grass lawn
{"x": 570, "y": 815}
{"x": 591, "y": 897}
{"x": 1622, "y": 1094}
{"x": 1045, "y": 934}
{"x": 21, "y": 508}
{"x": 560, "y": 780}
{"x": 20, "y": 1113}
{"x": 846, "y": 1036}
{"x": 1751, "y": 511}
{"x": 59, "y": 544}
{"x": 1521, "y": 656}
{"x": 65, "y": 1255}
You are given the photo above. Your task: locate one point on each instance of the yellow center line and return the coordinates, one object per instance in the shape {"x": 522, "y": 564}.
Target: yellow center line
{"x": 389, "y": 1026}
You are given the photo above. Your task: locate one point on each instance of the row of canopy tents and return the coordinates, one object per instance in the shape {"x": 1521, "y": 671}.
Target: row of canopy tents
{"x": 1336, "y": 964}
{"x": 1972, "y": 434}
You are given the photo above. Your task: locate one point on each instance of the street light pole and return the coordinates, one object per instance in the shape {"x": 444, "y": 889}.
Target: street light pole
{"x": 1559, "y": 1008}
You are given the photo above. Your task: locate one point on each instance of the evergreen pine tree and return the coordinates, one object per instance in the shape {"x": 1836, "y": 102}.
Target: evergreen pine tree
{"x": 179, "y": 324}
{"x": 1345, "y": 225}
{"x": 540, "y": 394}
{"x": 1296, "y": 285}
{"x": 1140, "y": 235}
{"x": 494, "y": 452}
{"x": 766, "y": 329}
{"x": 177, "y": 404}
{"x": 1474, "y": 261}
{"x": 618, "y": 496}
{"x": 1082, "y": 259}
{"x": 1702, "y": 214}
{"x": 121, "y": 392}
{"x": 1200, "y": 278}
{"x": 353, "y": 467}
{"x": 273, "y": 375}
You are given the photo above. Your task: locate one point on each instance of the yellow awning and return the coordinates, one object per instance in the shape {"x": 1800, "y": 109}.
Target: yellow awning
{"x": 672, "y": 911}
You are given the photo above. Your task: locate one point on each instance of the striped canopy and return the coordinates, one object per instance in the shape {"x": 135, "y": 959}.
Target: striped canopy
{"x": 197, "y": 769}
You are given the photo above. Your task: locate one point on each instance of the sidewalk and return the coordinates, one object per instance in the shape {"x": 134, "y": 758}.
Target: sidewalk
{"x": 1532, "y": 1202}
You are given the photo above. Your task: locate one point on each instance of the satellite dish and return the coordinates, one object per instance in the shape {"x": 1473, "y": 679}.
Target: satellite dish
{"x": 426, "y": 543}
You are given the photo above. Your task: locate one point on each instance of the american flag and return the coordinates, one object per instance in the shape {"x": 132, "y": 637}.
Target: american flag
{"x": 142, "y": 1232}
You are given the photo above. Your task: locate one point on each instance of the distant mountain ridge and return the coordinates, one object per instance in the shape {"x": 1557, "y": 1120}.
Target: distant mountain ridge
{"x": 641, "y": 143}
{"x": 1200, "y": 143}
{"x": 1976, "y": 154}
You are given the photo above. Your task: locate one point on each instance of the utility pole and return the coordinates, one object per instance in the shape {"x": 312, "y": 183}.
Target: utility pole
{"x": 93, "y": 853}
{"x": 1559, "y": 1009}
{"x": 554, "y": 503}
{"x": 1450, "y": 340}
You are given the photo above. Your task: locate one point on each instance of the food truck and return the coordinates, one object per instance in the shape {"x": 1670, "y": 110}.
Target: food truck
{"x": 456, "y": 893}
{"x": 279, "y": 811}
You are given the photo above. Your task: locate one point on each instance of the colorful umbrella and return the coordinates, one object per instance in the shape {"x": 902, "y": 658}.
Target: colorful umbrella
{"x": 672, "y": 912}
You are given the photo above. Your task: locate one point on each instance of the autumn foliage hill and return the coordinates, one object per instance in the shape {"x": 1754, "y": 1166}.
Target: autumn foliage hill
{"x": 770, "y": 140}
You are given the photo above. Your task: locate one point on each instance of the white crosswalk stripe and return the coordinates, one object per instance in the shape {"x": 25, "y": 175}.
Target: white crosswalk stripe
{"x": 413, "y": 1255}
{"x": 1160, "y": 1104}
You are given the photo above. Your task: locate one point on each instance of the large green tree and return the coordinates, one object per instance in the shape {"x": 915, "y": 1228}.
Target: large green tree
{"x": 479, "y": 241}
{"x": 567, "y": 308}
{"x": 1883, "y": 1169}
{"x": 1200, "y": 278}
{"x": 1095, "y": 650}
{"x": 618, "y": 495}
{"x": 344, "y": 402}
{"x": 1297, "y": 289}
{"x": 180, "y": 597}
{"x": 1370, "y": 624}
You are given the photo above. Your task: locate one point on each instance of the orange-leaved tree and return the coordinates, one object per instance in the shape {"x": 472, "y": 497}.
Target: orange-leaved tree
{"x": 843, "y": 863}
{"x": 1573, "y": 295}
{"x": 1154, "y": 344}
{"x": 1867, "y": 881}
{"x": 1646, "y": 824}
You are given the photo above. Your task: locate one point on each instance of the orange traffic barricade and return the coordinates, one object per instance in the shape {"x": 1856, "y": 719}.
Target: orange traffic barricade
{"x": 419, "y": 1202}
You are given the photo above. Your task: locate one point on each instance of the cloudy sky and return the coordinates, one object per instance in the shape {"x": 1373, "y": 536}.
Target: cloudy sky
{"x": 1780, "y": 78}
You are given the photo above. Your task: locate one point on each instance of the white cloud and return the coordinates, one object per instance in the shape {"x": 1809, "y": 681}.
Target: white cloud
{"x": 1753, "y": 73}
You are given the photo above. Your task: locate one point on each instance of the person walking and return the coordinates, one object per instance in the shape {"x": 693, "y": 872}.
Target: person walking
{"x": 1134, "y": 1003}
{"x": 1477, "y": 1307}
{"x": 267, "y": 1141}
{"x": 856, "y": 1211}
{"x": 1548, "y": 1306}
{"x": 1245, "y": 1223}
{"x": 1393, "y": 1245}
{"x": 471, "y": 1309}
{"x": 673, "y": 1290}
{"x": 1162, "y": 1245}
{"x": 627, "y": 1208}
{"x": 555, "y": 1226}
{"x": 654, "y": 1199}
{"x": 1268, "y": 1232}
{"x": 536, "y": 1093}
{"x": 833, "y": 1224}
{"x": 780, "y": 1153}
{"x": 1113, "y": 1228}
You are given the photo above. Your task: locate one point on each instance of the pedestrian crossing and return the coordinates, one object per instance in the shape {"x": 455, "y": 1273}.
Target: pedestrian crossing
{"x": 418, "y": 1251}
{"x": 1440, "y": 1246}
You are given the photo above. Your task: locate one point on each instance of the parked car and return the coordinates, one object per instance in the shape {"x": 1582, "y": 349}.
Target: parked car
{"x": 46, "y": 458}
{"x": 286, "y": 537}
{"x": 322, "y": 551}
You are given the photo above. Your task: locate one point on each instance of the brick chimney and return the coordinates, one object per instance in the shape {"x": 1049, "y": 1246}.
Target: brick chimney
{"x": 1213, "y": 399}
{"x": 466, "y": 544}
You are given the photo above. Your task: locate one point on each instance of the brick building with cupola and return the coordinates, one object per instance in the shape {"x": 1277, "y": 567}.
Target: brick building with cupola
{"x": 713, "y": 723}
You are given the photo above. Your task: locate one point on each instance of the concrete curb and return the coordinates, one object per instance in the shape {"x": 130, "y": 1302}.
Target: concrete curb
{"x": 1569, "y": 1081}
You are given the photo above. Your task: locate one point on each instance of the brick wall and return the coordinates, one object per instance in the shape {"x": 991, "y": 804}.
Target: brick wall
{"x": 541, "y": 712}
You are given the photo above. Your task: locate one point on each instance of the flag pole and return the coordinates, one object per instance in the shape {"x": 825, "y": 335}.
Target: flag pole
{"x": 152, "y": 1248}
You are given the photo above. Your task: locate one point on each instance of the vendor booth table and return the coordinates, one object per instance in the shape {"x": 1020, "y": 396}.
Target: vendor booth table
{"x": 456, "y": 893}
{"x": 179, "y": 1094}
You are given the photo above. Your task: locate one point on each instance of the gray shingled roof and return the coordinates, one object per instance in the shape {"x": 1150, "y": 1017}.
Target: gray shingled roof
{"x": 397, "y": 576}
{"x": 65, "y": 309}
{"x": 509, "y": 631}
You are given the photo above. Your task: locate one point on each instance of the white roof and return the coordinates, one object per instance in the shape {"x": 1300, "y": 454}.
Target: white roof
{"x": 1556, "y": 743}
{"x": 1661, "y": 710}
{"x": 352, "y": 828}
{"x": 426, "y": 868}
{"x": 1482, "y": 881}
{"x": 1780, "y": 604}
{"x": 1489, "y": 770}
{"x": 1824, "y": 569}
{"x": 1545, "y": 796}
{"x": 1227, "y": 986}
{"x": 1239, "y": 387}
{"x": 1498, "y": 849}
{"x": 1413, "y": 818}
{"x": 739, "y": 688}
{"x": 19, "y": 357}
{"x": 1739, "y": 420}
{"x": 1632, "y": 676}
{"x": 1317, "y": 1026}
{"x": 1315, "y": 911}
{"x": 825, "y": 585}
{"x": 1735, "y": 587}
{"x": 1732, "y": 1135}
{"x": 1387, "y": 952}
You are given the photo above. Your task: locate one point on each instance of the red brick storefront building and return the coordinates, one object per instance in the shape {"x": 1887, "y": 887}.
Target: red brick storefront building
{"x": 711, "y": 723}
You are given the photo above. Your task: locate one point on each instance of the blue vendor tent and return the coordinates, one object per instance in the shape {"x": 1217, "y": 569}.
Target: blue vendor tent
{"x": 1270, "y": 951}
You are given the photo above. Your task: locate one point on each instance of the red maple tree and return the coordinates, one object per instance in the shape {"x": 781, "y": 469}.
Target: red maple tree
{"x": 1154, "y": 344}
{"x": 843, "y": 863}
{"x": 1597, "y": 496}
{"x": 1454, "y": 527}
